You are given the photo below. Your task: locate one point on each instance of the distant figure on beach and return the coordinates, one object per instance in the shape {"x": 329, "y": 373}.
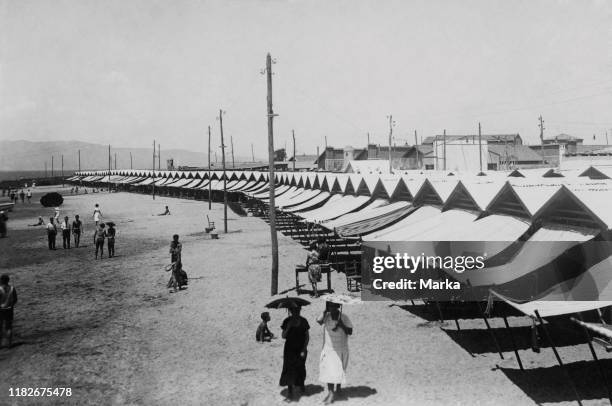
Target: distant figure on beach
{"x": 263, "y": 333}
{"x": 51, "y": 233}
{"x": 314, "y": 268}
{"x": 3, "y": 191}
{"x": 110, "y": 237}
{"x": 99, "y": 236}
{"x": 97, "y": 214}
{"x": 29, "y": 195}
{"x": 295, "y": 332}
{"x": 77, "y": 227}
{"x": 165, "y": 213}
{"x": 65, "y": 226}
{"x": 8, "y": 299}
{"x": 178, "y": 279}
{"x": 56, "y": 216}
{"x": 41, "y": 222}
{"x": 323, "y": 249}
{"x": 175, "y": 249}
{"x": 3, "y": 220}
{"x": 13, "y": 196}
{"x": 335, "y": 353}
{"x": 22, "y": 196}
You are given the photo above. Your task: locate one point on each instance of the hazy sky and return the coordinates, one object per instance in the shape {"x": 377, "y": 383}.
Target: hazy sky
{"x": 125, "y": 72}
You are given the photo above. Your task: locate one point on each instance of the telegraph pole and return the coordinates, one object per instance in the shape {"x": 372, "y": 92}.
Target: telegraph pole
{"x": 416, "y": 148}
{"x": 480, "y": 146}
{"x": 45, "y": 169}
{"x": 252, "y": 153}
{"x": 390, "y": 137}
{"x": 232, "y": 144}
{"x": 293, "y": 134}
{"x": 79, "y": 160}
{"x": 224, "y": 176}
{"x": 541, "y": 125}
{"x": 109, "y": 167}
{"x": 272, "y": 211}
{"x": 51, "y": 165}
{"x": 62, "y": 170}
{"x": 153, "y": 170}
{"x": 444, "y": 148}
{"x": 209, "y": 185}
{"x": 158, "y": 157}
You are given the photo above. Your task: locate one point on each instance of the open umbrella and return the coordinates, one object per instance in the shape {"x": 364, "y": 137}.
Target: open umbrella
{"x": 287, "y": 303}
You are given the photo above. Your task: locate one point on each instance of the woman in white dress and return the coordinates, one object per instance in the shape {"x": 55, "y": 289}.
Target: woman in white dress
{"x": 97, "y": 214}
{"x": 335, "y": 353}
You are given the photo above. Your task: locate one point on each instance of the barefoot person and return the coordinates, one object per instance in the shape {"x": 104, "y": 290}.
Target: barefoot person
{"x": 99, "y": 236}
{"x": 3, "y": 220}
{"x": 263, "y": 333}
{"x": 110, "y": 234}
{"x": 97, "y": 214}
{"x": 77, "y": 227}
{"x": 295, "y": 332}
{"x": 175, "y": 249}
{"x": 8, "y": 298}
{"x": 335, "y": 353}
{"x": 165, "y": 213}
{"x": 314, "y": 268}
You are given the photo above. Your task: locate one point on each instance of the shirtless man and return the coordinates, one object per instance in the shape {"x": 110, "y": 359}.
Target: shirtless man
{"x": 8, "y": 298}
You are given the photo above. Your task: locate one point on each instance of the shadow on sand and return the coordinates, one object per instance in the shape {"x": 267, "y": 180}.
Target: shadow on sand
{"x": 551, "y": 385}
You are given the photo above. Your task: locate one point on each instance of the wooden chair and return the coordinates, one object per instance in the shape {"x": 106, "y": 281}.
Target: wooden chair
{"x": 211, "y": 225}
{"x": 353, "y": 277}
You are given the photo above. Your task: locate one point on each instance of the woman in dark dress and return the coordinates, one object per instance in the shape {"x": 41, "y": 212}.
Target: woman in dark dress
{"x": 295, "y": 332}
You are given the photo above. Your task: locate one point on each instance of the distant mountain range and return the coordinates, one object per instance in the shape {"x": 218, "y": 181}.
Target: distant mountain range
{"x": 32, "y": 155}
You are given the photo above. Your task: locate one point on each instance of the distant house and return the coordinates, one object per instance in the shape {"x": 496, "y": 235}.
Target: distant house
{"x": 369, "y": 166}
{"x": 336, "y": 159}
{"x": 503, "y": 157}
{"x": 564, "y": 139}
{"x": 503, "y": 139}
{"x": 303, "y": 162}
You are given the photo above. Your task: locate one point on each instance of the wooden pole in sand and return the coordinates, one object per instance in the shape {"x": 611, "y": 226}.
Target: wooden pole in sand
{"x": 109, "y": 168}
{"x": 153, "y": 170}
{"x": 209, "y": 184}
{"x": 62, "y": 170}
{"x": 272, "y": 209}
{"x": 224, "y": 176}
{"x": 293, "y": 134}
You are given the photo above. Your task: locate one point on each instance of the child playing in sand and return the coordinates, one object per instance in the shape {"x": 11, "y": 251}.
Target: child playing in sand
{"x": 263, "y": 333}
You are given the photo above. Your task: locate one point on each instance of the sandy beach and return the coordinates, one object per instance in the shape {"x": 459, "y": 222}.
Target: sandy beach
{"x": 111, "y": 331}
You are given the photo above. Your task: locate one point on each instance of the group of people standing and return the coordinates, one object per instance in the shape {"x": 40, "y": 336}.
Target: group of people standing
{"x": 334, "y": 357}
{"x": 14, "y": 196}
{"x": 75, "y": 229}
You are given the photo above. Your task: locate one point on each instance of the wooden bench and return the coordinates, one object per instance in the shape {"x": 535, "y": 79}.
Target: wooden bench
{"x": 325, "y": 269}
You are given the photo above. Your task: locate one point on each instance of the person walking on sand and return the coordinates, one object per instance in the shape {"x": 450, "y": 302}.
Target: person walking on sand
{"x": 56, "y": 216}
{"x": 8, "y": 299}
{"x": 3, "y": 220}
{"x": 22, "y": 196}
{"x": 77, "y": 227}
{"x": 99, "y": 236}
{"x": 176, "y": 249}
{"x": 335, "y": 353}
{"x": 65, "y": 226}
{"x": 97, "y": 214}
{"x": 29, "y": 196}
{"x": 314, "y": 268}
{"x": 110, "y": 237}
{"x": 51, "y": 233}
{"x": 295, "y": 332}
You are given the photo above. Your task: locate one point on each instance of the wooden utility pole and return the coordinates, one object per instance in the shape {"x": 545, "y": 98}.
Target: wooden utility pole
{"x": 480, "y": 146}
{"x": 232, "y": 144}
{"x": 541, "y": 125}
{"x": 153, "y": 170}
{"x": 62, "y": 170}
{"x": 79, "y": 160}
{"x": 158, "y": 157}
{"x": 45, "y": 169}
{"x": 252, "y": 153}
{"x": 390, "y": 140}
{"x": 368, "y": 146}
{"x": 444, "y": 148}
{"x": 416, "y": 148}
{"x": 51, "y": 165}
{"x": 224, "y": 176}
{"x": 109, "y": 167}
{"x": 272, "y": 213}
{"x": 293, "y": 134}
{"x": 209, "y": 184}
{"x": 607, "y": 138}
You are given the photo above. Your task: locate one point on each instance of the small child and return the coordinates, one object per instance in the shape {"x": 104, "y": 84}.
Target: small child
{"x": 263, "y": 333}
